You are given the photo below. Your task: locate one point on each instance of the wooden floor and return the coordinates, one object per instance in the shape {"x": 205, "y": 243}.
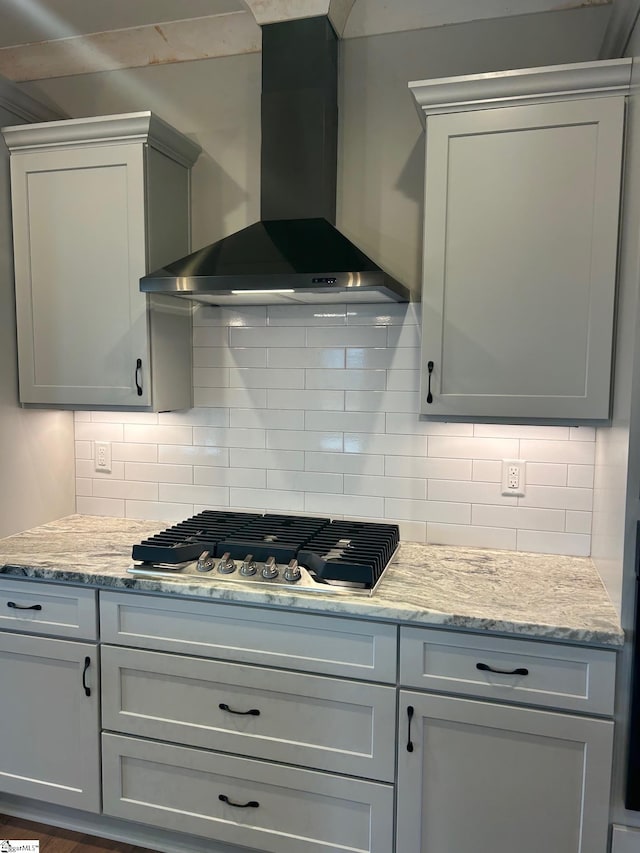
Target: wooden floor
{"x": 53, "y": 840}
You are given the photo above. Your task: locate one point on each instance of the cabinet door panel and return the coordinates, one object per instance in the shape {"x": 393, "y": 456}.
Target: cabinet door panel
{"x": 79, "y": 236}
{"x": 521, "y": 217}
{"x": 49, "y": 748}
{"x": 490, "y": 777}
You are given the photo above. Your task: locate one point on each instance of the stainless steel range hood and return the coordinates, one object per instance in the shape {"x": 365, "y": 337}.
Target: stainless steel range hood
{"x": 294, "y": 254}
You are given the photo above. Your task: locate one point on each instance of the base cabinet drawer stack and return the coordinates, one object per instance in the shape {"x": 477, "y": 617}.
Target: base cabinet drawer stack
{"x": 489, "y": 774}
{"x": 182, "y": 731}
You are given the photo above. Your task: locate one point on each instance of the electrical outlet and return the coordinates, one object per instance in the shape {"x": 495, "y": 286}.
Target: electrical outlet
{"x": 513, "y": 477}
{"x": 103, "y": 456}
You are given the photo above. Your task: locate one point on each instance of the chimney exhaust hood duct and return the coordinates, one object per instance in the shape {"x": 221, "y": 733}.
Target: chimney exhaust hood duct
{"x": 294, "y": 254}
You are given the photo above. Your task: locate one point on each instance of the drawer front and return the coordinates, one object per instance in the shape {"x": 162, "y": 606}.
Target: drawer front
{"x": 44, "y": 608}
{"x": 299, "y": 641}
{"x": 277, "y": 809}
{"x": 325, "y": 723}
{"x": 534, "y": 673}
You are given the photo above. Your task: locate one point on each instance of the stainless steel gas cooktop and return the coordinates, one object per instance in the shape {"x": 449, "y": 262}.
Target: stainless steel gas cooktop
{"x": 304, "y": 553}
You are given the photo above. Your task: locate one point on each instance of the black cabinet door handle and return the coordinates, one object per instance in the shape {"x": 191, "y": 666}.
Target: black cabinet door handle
{"x": 430, "y": 370}
{"x": 484, "y": 667}
{"x": 253, "y": 712}
{"x": 409, "y": 718}
{"x": 24, "y": 606}
{"x": 138, "y": 377}
{"x": 252, "y": 804}
{"x": 87, "y": 664}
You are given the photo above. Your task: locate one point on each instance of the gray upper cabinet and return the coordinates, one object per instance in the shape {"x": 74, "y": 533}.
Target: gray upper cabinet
{"x": 522, "y": 198}
{"x": 97, "y": 203}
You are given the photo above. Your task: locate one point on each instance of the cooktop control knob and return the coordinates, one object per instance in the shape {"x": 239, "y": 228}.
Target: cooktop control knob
{"x": 226, "y": 565}
{"x": 205, "y": 562}
{"x": 292, "y": 572}
{"x": 270, "y": 570}
{"x": 248, "y": 567}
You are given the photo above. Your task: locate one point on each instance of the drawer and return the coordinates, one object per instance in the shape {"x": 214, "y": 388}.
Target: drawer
{"x": 533, "y": 673}
{"x": 47, "y": 608}
{"x": 302, "y": 641}
{"x": 325, "y": 723}
{"x": 267, "y": 807}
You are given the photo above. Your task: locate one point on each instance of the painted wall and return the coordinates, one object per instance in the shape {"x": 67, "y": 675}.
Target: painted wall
{"x": 36, "y": 448}
{"x": 302, "y": 411}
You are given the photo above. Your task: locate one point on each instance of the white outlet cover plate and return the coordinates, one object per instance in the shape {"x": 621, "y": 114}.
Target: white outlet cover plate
{"x": 507, "y": 489}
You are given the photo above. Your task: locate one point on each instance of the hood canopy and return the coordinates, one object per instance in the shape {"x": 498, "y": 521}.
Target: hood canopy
{"x": 294, "y": 254}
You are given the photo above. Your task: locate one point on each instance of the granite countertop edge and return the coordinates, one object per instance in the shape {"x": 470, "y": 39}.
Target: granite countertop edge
{"x": 531, "y": 596}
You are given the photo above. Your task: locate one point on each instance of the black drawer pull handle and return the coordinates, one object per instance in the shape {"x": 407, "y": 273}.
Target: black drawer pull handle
{"x": 409, "y": 718}
{"x": 87, "y": 664}
{"x": 430, "y": 370}
{"x": 24, "y": 606}
{"x": 252, "y": 804}
{"x": 486, "y": 668}
{"x": 253, "y": 712}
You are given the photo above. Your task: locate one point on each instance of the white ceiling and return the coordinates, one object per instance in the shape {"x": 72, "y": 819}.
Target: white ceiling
{"x": 52, "y": 38}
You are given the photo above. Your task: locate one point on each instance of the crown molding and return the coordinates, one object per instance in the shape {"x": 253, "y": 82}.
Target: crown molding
{"x": 23, "y": 106}
{"x": 522, "y": 86}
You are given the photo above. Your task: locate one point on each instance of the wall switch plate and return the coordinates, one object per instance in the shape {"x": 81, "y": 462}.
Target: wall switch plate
{"x": 102, "y": 456}
{"x": 513, "y": 477}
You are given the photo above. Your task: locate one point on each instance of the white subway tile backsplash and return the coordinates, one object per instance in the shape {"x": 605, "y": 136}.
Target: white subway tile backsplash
{"x": 344, "y": 463}
{"x": 575, "y": 544}
{"x": 211, "y": 377}
{"x": 178, "y": 493}
{"x": 386, "y": 487}
{"x": 381, "y": 401}
{"x": 575, "y": 452}
{"x": 428, "y": 511}
{"x": 472, "y": 537}
{"x": 236, "y": 476}
{"x": 306, "y": 315}
{"x": 581, "y": 476}
{"x": 267, "y": 377}
{"x": 122, "y": 452}
{"x": 125, "y": 489}
{"x": 308, "y": 440}
{"x": 152, "y": 472}
{"x": 305, "y": 481}
{"x": 547, "y": 474}
{"x": 266, "y": 419}
{"x": 355, "y": 336}
{"x": 364, "y": 380}
{"x": 330, "y": 357}
{"x": 346, "y": 421}
{"x": 268, "y": 459}
{"x": 217, "y": 315}
{"x": 316, "y": 400}
{"x": 157, "y": 434}
{"x": 313, "y": 409}
{"x": 175, "y": 454}
{"x": 235, "y": 398}
{"x": 269, "y": 337}
{"x": 347, "y": 505}
{"x": 225, "y": 356}
{"x": 473, "y": 448}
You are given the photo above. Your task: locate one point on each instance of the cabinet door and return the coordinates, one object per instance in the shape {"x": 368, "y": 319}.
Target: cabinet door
{"x": 485, "y": 777}
{"x": 520, "y": 248}
{"x": 79, "y": 243}
{"x": 49, "y": 745}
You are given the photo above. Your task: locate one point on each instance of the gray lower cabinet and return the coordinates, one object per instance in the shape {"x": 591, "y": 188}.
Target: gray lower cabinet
{"x": 477, "y": 776}
{"x": 49, "y": 708}
{"x": 257, "y": 804}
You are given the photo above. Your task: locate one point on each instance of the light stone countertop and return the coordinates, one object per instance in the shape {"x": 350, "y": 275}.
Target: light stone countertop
{"x": 539, "y": 596}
